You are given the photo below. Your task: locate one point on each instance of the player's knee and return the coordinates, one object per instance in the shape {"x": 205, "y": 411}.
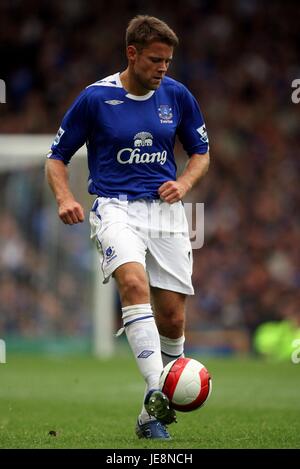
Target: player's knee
{"x": 176, "y": 324}
{"x": 172, "y": 325}
{"x": 134, "y": 290}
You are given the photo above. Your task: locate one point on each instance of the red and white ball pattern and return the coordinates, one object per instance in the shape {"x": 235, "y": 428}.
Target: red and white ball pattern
{"x": 187, "y": 384}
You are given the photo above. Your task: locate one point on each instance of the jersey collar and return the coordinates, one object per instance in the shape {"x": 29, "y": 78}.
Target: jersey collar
{"x": 133, "y": 96}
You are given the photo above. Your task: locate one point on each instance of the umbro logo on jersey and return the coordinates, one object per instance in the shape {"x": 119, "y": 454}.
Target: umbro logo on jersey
{"x": 114, "y": 102}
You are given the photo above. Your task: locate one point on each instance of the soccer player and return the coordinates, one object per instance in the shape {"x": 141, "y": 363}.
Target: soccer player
{"x": 129, "y": 122}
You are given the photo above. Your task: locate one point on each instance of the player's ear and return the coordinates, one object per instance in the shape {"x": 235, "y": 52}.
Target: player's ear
{"x": 131, "y": 52}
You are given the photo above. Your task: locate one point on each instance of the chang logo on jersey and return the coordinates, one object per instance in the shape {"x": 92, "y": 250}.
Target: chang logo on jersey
{"x": 136, "y": 155}
{"x": 165, "y": 114}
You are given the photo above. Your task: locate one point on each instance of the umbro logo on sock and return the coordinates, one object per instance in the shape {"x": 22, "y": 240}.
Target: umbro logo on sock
{"x": 145, "y": 354}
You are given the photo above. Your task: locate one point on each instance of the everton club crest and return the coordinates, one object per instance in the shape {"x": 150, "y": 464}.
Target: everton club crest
{"x": 165, "y": 114}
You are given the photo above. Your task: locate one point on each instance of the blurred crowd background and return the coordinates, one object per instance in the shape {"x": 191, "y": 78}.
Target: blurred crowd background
{"x": 239, "y": 59}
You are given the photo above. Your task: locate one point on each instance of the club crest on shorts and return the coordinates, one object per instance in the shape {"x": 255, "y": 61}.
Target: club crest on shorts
{"x": 165, "y": 114}
{"x": 110, "y": 254}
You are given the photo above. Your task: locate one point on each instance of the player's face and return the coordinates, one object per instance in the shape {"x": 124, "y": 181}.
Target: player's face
{"x": 150, "y": 65}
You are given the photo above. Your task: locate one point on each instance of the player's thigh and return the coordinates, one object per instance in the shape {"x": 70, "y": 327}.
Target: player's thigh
{"x": 116, "y": 241}
{"x": 169, "y": 263}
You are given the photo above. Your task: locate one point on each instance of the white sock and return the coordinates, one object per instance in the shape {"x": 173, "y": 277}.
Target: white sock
{"x": 144, "y": 416}
{"x": 143, "y": 338}
{"x": 171, "y": 348}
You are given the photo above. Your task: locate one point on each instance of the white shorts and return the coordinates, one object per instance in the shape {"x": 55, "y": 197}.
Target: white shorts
{"x": 153, "y": 233}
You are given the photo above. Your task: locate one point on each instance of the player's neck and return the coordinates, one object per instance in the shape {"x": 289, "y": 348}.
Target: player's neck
{"x": 131, "y": 85}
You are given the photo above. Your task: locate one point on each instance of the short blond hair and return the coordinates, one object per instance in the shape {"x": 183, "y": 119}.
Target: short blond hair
{"x": 142, "y": 30}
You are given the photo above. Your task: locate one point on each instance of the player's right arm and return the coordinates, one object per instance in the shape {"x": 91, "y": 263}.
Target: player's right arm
{"x": 70, "y": 137}
{"x": 69, "y": 210}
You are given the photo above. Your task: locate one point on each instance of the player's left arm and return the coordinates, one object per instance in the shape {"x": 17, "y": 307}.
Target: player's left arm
{"x": 196, "y": 168}
{"x": 192, "y": 134}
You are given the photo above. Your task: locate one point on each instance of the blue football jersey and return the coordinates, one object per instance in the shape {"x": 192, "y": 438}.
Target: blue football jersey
{"x": 130, "y": 139}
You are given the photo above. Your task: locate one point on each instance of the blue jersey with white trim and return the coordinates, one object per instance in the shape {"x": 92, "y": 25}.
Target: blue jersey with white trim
{"x": 130, "y": 139}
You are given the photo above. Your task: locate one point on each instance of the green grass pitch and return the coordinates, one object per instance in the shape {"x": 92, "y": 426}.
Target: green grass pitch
{"x": 94, "y": 404}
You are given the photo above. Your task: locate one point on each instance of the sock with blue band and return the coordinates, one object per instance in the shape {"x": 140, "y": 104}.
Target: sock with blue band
{"x": 143, "y": 338}
{"x": 171, "y": 348}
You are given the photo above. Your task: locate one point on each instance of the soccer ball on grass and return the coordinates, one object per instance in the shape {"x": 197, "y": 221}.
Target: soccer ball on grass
{"x": 187, "y": 384}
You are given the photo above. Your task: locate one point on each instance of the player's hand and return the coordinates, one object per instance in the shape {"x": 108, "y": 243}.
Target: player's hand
{"x": 173, "y": 191}
{"x": 70, "y": 212}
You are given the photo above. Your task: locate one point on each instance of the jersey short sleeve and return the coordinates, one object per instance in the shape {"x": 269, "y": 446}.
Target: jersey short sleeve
{"x": 73, "y": 131}
{"x": 191, "y": 129}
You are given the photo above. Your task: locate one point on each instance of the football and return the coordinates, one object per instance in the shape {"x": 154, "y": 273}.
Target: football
{"x": 187, "y": 384}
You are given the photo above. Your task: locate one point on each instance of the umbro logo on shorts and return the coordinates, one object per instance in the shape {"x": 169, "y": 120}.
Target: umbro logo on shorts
{"x": 145, "y": 354}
